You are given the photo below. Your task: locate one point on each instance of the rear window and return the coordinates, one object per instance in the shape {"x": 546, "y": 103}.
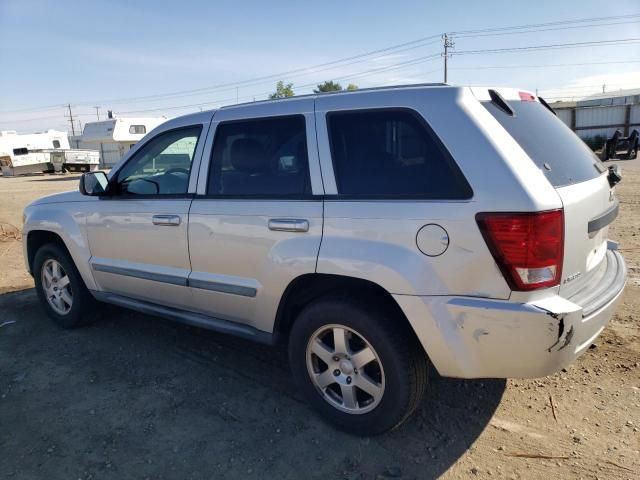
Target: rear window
{"x": 554, "y": 148}
{"x": 391, "y": 153}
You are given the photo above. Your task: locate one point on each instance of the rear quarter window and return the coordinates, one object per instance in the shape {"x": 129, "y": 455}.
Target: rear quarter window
{"x": 553, "y": 147}
{"x": 391, "y": 153}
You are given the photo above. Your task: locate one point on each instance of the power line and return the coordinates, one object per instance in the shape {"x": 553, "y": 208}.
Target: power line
{"x": 46, "y": 117}
{"x": 487, "y": 67}
{"x": 582, "y": 87}
{"x": 537, "y": 47}
{"x": 535, "y": 25}
{"x": 288, "y": 74}
{"x": 520, "y": 32}
{"x": 394, "y": 49}
{"x": 620, "y": 41}
{"x": 414, "y": 43}
{"x": 312, "y": 84}
{"x": 397, "y": 48}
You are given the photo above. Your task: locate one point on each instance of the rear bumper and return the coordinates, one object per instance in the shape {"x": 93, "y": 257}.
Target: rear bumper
{"x": 470, "y": 337}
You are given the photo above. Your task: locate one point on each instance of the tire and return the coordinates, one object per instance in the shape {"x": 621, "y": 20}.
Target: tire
{"x": 82, "y": 309}
{"x": 398, "y": 369}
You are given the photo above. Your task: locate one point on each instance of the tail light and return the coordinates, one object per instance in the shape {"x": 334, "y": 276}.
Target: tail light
{"x": 526, "y": 97}
{"x": 528, "y": 247}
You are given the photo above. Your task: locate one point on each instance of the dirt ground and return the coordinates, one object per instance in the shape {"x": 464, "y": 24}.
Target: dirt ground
{"x": 139, "y": 397}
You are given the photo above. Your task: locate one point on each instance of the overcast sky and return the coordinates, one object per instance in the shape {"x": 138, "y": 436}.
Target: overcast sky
{"x": 111, "y": 53}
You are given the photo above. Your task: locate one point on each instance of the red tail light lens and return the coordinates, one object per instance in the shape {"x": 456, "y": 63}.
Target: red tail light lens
{"x": 528, "y": 247}
{"x": 527, "y": 97}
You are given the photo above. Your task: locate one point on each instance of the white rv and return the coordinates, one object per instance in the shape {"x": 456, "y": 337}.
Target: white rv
{"x": 113, "y": 137}
{"x": 25, "y": 153}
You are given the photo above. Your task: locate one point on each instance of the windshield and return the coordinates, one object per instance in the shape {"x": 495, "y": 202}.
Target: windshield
{"x": 555, "y": 149}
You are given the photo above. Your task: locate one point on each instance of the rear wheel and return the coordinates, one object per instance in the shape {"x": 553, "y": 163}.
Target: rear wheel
{"x": 60, "y": 288}
{"x": 359, "y": 365}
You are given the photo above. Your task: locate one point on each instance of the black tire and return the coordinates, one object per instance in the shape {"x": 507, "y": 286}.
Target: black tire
{"x": 403, "y": 361}
{"x": 82, "y": 311}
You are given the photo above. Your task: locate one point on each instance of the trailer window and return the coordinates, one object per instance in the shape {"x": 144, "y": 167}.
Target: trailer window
{"x": 56, "y": 144}
{"x": 138, "y": 129}
{"x": 20, "y": 151}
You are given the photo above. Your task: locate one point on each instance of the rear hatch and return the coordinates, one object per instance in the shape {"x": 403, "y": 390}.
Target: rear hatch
{"x": 575, "y": 172}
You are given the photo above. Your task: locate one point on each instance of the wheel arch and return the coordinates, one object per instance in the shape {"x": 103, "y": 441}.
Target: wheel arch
{"x": 306, "y": 288}
{"x": 36, "y": 239}
{"x": 58, "y": 224}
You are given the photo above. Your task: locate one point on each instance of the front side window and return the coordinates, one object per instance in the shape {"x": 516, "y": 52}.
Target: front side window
{"x": 263, "y": 157}
{"x": 391, "y": 153}
{"x": 162, "y": 165}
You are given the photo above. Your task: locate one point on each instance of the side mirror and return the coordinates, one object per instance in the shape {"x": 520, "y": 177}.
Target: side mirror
{"x": 94, "y": 184}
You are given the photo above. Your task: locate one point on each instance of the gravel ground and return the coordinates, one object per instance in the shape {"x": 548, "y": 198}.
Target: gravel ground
{"x": 138, "y": 397}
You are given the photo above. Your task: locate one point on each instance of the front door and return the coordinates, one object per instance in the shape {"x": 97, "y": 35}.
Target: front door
{"x": 256, "y": 222}
{"x": 138, "y": 235}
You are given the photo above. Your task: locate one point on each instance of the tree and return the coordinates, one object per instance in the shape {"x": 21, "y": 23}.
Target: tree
{"x": 282, "y": 90}
{"x": 328, "y": 86}
{"x": 331, "y": 86}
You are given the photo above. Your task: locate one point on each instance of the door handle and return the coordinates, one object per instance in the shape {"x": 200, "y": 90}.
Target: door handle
{"x": 167, "y": 220}
{"x": 289, "y": 225}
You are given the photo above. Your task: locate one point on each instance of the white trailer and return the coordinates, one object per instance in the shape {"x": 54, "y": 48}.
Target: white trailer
{"x": 113, "y": 137}
{"x": 74, "y": 160}
{"x": 25, "y": 153}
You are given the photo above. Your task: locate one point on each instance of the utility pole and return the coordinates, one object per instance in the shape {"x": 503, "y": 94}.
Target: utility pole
{"x": 447, "y": 43}
{"x": 73, "y": 128}
{"x": 97, "y": 112}
{"x": 604, "y": 87}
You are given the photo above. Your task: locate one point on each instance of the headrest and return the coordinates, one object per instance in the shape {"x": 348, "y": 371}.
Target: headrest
{"x": 248, "y": 156}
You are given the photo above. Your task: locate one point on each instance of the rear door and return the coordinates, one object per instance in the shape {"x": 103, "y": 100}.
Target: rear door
{"x": 574, "y": 171}
{"x": 256, "y": 222}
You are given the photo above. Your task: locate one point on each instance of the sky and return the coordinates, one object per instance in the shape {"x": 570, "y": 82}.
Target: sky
{"x": 153, "y": 58}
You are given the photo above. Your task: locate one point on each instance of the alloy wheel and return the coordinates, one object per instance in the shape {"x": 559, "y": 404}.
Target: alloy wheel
{"x": 345, "y": 369}
{"x": 57, "y": 286}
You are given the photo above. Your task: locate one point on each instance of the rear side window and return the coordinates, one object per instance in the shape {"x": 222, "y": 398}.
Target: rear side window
{"x": 391, "y": 153}
{"x": 261, "y": 157}
{"x": 554, "y": 148}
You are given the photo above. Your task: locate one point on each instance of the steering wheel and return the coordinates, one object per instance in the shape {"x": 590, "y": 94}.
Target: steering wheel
{"x": 177, "y": 170}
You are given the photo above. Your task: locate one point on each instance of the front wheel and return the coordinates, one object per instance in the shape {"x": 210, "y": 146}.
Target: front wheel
{"x": 358, "y": 364}
{"x": 60, "y": 288}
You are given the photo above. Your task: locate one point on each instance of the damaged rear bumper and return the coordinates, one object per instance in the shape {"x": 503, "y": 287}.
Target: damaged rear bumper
{"x": 470, "y": 337}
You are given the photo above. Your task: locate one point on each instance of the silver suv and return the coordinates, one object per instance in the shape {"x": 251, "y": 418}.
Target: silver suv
{"x": 375, "y": 232}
